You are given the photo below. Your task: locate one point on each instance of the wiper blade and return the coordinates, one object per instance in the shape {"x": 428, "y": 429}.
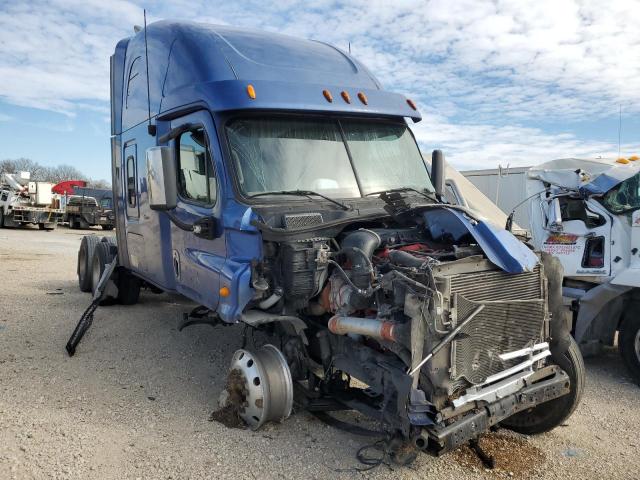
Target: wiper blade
{"x": 302, "y": 193}
{"x": 404, "y": 189}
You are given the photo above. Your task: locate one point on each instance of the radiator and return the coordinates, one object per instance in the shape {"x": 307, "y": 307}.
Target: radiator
{"x": 513, "y": 318}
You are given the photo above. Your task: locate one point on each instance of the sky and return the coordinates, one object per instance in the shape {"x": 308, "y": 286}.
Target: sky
{"x": 497, "y": 82}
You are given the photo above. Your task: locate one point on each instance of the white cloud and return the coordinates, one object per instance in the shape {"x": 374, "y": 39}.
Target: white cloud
{"x": 484, "y": 67}
{"x": 472, "y": 146}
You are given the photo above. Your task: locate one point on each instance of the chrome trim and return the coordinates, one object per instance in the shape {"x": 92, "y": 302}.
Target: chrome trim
{"x": 524, "y": 351}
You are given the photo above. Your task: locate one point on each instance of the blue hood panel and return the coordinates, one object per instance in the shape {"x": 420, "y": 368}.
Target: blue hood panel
{"x": 499, "y": 245}
{"x": 608, "y": 180}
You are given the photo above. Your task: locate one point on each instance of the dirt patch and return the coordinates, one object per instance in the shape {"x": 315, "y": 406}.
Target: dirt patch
{"x": 229, "y": 413}
{"x": 514, "y": 457}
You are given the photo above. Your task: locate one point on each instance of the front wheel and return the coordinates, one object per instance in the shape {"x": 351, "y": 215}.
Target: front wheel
{"x": 549, "y": 415}
{"x": 629, "y": 340}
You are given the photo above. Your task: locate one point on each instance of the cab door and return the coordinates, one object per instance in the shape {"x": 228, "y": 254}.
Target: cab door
{"x": 584, "y": 244}
{"x": 198, "y": 261}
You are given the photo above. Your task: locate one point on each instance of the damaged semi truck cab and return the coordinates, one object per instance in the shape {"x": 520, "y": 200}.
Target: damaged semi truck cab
{"x": 275, "y": 183}
{"x": 586, "y": 212}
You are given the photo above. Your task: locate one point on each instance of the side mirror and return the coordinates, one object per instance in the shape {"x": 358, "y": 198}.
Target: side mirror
{"x": 438, "y": 172}
{"x": 554, "y": 217}
{"x": 161, "y": 178}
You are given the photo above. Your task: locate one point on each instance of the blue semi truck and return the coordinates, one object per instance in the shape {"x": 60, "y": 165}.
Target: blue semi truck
{"x": 274, "y": 182}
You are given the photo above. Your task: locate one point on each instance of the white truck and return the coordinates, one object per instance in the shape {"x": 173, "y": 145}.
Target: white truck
{"x": 23, "y": 202}
{"x": 586, "y": 212}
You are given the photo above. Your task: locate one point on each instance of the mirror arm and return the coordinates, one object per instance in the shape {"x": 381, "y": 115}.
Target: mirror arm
{"x": 175, "y": 132}
{"x": 187, "y": 227}
{"x": 205, "y": 227}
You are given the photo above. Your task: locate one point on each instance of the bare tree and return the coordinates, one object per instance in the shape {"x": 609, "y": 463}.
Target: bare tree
{"x": 99, "y": 184}
{"x": 41, "y": 173}
{"x": 64, "y": 172}
{"x": 38, "y": 172}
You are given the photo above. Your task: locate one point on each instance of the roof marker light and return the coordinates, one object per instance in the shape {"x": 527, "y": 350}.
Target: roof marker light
{"x": 363, "y": 98}
{"x": 345, "y": 96}
{"x": 623, "y": 161}
{"x": 327, "y": 95}
{"x": 634, "y": 158}
{"x": 251, "y": 92}
{"x": 412, "y": 104}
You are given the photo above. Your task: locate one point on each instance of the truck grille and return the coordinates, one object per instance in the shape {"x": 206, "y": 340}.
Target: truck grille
{"x": 512, "y": 319}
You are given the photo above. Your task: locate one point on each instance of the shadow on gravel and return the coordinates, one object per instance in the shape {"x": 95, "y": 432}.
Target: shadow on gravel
{"x": 514, "y": 457}
{"x": 608, "y": 366}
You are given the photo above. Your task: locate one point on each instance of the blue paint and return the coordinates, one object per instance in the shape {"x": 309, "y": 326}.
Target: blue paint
{"x": 500, "y": 246}
{"x": 191, "y": 62}
{"x": 198, "y": 74}
{"x": 609, "y": 179}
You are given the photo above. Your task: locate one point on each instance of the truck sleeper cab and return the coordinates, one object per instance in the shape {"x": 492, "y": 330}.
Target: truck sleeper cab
{"x": 276, "y": 184}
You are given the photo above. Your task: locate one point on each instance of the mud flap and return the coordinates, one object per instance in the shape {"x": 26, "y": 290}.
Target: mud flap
{"x": 105, "y": 286}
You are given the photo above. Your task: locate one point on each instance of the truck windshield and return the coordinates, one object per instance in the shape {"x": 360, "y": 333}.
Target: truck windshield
{"x": 625, "y": 197}
{"x": 326, "y": 156}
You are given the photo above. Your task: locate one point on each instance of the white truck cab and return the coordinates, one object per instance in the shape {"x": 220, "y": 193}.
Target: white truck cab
{"x": 586, "y": 212}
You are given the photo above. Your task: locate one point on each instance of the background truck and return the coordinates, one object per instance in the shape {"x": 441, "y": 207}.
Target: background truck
{"x": 586, "y": 212}
{"x": 275, "y": 183}
{"x": 89, "y": 207}
{"x": 505, "y": 187}
{"x": 23, "y": 201}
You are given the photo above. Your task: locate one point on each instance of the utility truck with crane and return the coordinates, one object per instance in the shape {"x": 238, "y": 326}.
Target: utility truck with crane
{"x": 274, "y": 182}
{"x": 24, "y": 202}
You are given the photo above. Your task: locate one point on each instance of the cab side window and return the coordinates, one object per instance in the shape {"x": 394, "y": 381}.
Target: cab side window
{"x": 576, "y": 209}
{"x": 196, "y": 178}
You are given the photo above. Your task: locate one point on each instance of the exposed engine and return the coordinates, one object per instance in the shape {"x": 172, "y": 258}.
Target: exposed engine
{"x": 417, "y": 313}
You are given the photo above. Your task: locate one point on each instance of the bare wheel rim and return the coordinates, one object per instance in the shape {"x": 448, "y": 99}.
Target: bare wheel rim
{"x": 268, "y": 387}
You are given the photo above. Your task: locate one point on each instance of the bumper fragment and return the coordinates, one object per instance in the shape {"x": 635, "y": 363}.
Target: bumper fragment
{"x": 441, "y": 439}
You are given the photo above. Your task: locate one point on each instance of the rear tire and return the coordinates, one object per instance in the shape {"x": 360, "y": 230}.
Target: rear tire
{"x": 1, "y": 217}
{"x": 629, "y": 340}
{"x": 98, "y": 263}
{"x": 103, "y": 254}
{"x": 85, "y": 261}
{"x": 549, "y": 415}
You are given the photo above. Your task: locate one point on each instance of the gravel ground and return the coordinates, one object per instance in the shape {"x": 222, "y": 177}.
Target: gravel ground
{"x": 135, "y": 400}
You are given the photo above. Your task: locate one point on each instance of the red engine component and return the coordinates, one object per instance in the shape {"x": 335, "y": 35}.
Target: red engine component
{"x": 414, "y": 247}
